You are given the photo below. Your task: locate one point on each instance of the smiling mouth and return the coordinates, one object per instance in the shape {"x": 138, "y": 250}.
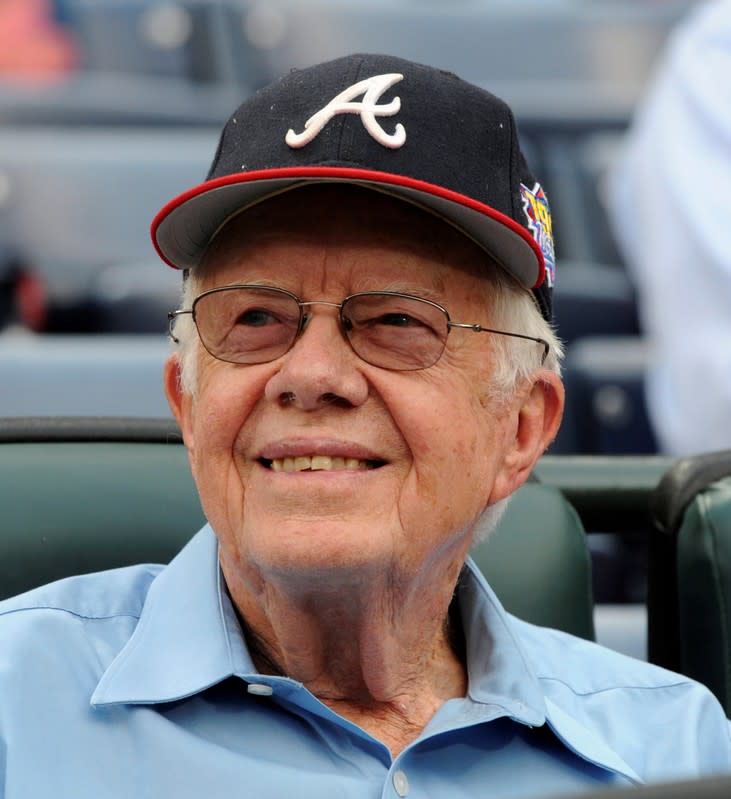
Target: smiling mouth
{"x": 319, "y": 463}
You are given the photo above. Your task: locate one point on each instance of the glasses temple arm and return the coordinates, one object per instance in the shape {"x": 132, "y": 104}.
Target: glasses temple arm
{"x": 172, "y": 316}
{"x": 475, "y": 328}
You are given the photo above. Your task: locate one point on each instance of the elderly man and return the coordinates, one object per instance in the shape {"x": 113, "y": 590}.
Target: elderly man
{"x": 366, "y": 371}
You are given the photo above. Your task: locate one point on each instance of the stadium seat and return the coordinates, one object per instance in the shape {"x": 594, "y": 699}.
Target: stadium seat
{"x": 605, "y": 410}
{"x": 81, "y": 495}
{"x": 538, "y": 562}
{"x": 79, "y": 375}
{"x": 593, "y": 300}
{"x": 689, "y": 590}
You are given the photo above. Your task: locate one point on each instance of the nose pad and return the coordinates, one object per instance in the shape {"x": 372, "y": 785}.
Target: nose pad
{"x": 344, "y": 324}
{"x": 304, "y": 321}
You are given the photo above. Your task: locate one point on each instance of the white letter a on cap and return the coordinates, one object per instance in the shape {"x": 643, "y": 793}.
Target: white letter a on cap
{"x": 368, "y": 109}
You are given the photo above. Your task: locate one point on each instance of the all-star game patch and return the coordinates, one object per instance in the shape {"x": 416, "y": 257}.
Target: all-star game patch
{"x": 535, "y": 205}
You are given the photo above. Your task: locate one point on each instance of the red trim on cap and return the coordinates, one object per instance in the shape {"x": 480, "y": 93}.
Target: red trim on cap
{"x": 356, "y": 175}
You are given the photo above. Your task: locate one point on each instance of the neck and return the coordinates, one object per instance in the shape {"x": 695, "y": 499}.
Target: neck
{"x": 381, "y": 652}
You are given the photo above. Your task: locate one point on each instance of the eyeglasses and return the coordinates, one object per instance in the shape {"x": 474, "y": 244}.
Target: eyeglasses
{"x": 248, "y": 324}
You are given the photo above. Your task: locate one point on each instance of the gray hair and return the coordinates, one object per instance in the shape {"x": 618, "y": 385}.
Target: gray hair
{"x": 511, "y": 308}
{"x": 489, "y": 519}
{"x": 186, "y": 340}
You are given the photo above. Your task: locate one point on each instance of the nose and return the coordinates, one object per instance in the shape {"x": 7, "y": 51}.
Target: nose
{"x": 320, "y": 369}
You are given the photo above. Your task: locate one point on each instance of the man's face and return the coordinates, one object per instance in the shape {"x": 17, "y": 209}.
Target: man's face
{"x": 431, "y": 447}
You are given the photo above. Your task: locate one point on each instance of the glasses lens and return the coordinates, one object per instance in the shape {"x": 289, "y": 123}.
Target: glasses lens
{"x": 246, "y": 325}
{"x": 394, "y": 331}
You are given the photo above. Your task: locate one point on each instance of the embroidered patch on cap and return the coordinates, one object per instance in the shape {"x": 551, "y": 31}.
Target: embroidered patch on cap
{"x": 368, "y": 109}
{"x": 538, "y": 214}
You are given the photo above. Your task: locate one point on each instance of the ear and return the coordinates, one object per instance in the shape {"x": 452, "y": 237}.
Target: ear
{"x": 181, "y": 403}
{"x": 539, "y": 411}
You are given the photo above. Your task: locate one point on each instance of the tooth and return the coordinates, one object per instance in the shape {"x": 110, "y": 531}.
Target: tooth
{"x": 302, "y": 463}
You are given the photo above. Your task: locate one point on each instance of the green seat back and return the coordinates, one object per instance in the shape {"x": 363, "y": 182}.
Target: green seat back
{"x": 689, "y": 589}
{"x": 538, "y": 562}
{"x": 76, "y": 507}
{"x": 704, "y": 589}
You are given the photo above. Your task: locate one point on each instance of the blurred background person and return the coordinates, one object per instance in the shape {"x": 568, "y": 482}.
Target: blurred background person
{"x": 32, "y": 44}
{"x": 669, "y": 205}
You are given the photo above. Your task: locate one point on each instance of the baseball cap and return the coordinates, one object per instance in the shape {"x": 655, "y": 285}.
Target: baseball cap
{"x": 415, "y": 132}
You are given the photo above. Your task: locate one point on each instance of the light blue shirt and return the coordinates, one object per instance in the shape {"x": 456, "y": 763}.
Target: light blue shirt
{"x": 138, "y": 683}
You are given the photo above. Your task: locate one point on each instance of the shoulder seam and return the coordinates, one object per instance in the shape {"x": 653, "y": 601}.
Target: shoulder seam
{"x": 627, "y": 687}
{"x": 71, "y": 613}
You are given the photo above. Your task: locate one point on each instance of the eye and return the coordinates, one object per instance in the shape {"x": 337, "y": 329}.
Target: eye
{"x": 394, "y": 316}
{"x": 398, "y": 320}
{"x": 257, "y": 317}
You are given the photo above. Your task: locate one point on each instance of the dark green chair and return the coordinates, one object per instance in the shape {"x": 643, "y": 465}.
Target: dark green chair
{"x": 689, "y": 591}
{"x": 82, "y": 495}
{"x": 538, "y": 563}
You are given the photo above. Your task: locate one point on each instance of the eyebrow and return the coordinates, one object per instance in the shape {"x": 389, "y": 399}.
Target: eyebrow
{"x": 253, "y": 282}
{"x": 400, "y": 287}
{"x": 416, "y": 291}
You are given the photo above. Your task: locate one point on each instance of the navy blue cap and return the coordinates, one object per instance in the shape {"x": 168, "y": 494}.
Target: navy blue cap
{"x": 415, "y": 132}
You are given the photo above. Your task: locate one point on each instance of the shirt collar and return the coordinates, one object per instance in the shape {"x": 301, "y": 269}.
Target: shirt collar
{"x": 499, "y": 674}
{"x": 187, "y": 638}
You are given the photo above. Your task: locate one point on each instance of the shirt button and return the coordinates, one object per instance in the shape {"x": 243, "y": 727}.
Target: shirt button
{"x": 400, "y": 783}
{"x": 259, "y": 689}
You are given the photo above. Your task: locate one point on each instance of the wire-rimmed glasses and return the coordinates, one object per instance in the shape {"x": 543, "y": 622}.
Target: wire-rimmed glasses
{"x": 253, "y": 324}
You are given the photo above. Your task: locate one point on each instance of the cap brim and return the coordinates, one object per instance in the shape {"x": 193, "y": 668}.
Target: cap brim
{"x": 184, "y": 228}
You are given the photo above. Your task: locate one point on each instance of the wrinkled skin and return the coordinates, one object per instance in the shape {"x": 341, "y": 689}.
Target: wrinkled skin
{"x": 344, "y": 577}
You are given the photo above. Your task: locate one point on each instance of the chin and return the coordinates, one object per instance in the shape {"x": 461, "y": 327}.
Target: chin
{"x": 319, "y": 549}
